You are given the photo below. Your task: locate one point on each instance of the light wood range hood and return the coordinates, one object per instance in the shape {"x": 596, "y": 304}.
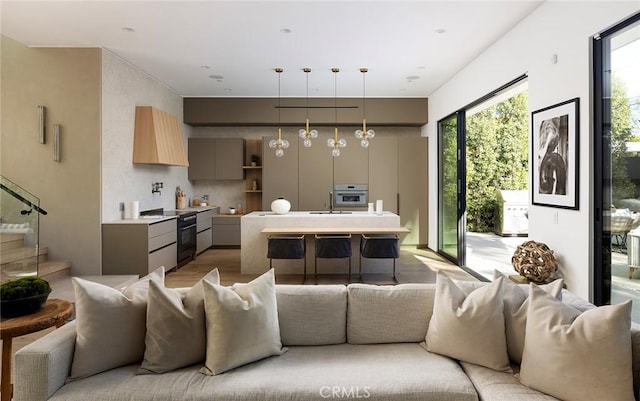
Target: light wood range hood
{"x": 158, "y": 138}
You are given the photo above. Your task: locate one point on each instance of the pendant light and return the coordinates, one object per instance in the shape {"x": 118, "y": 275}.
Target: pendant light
{"x": 334, "y": 143}
{"x": 279, "y": 144}
{"x": 305, "y": 133}
{"x": 364, "y": 135}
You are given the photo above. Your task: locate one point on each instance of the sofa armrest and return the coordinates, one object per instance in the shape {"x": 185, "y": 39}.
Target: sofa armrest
{"x": 42, "y": 367}
{"x": 635, "y": 355}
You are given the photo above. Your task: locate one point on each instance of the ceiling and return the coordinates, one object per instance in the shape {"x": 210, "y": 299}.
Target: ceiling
{"x": 410, "y": 48}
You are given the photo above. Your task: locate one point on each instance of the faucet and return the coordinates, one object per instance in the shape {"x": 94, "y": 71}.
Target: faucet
{"x": 330, "y": 201}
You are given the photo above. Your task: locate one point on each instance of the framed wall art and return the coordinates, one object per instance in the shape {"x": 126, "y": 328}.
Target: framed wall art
{"x": 556, "y": 155}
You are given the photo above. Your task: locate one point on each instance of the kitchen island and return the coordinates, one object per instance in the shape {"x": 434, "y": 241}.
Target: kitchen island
{"x": 256, "y": 226}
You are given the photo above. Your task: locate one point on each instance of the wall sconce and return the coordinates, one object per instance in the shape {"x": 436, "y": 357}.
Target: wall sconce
{"x": 41, "y": 111}
{"x": 56, "y": 142}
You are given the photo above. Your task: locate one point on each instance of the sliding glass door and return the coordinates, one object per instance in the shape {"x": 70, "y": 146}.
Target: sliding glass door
{"x": 451, "y": 189}
{"x": 616, "y": 212}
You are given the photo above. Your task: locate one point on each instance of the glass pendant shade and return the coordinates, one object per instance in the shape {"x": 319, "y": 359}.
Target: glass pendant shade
{"x": 305, "y": 133}
{"x": 364, "y": 134}
{"x": 279, "y": 144}
{"x": 334, "y": 143}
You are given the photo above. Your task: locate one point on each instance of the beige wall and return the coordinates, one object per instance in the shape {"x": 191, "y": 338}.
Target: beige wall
{"x": 67, "y": 82}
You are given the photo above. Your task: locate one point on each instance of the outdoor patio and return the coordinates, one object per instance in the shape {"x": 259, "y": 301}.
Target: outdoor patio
{"x": 487, "y": 252}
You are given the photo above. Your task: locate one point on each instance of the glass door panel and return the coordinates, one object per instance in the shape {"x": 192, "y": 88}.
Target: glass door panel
{"x": 448, "y": 227}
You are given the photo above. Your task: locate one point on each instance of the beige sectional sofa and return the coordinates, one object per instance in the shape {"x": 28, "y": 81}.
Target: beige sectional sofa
{"x": 344, "y": 342}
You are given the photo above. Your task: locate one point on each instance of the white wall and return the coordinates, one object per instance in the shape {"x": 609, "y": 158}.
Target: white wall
{"x": 123, "y": 88}
{"x": 556, "y": 27}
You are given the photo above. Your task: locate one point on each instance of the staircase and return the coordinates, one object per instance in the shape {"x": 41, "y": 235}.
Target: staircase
{"x": 19, "y": 260}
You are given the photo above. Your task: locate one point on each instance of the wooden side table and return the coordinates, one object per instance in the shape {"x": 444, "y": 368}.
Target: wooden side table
{"x": 54, "y": 313}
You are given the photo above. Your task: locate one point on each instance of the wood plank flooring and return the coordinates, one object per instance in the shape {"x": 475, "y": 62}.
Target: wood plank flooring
{"x": 413, "y": 266}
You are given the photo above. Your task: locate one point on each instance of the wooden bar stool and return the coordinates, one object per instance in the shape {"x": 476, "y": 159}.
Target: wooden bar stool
{"x": 287, "y": 247}
{"x": 333, "y": 246}
{"x": 380, "y": 247}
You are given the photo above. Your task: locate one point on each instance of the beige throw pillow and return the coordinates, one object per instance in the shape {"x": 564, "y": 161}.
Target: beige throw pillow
{"x": 176, "y": 333}
{"x": 110, "y": 325}
{"x": 469, "y": 328}
{"x": 516, "y": 303}
{"x": 242, "y": 323}
{"x": 577, "y": 356}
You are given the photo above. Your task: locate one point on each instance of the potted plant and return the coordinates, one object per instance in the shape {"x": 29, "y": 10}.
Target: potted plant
{"x": 254, "y": 160}
{"x": 23, "y": 296}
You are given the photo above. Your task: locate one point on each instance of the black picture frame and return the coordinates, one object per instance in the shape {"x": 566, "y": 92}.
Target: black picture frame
{"x": 555, "y": 153}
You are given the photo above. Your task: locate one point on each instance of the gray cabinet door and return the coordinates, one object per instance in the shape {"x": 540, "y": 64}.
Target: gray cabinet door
{"x": 229, "y": 158}
{"x": 412, "y": 186}
{"x": 351, "y": 167}
{"x": 383, "y": 171}
{"x": 316, "y": 172}
{"x": 280, "y": 174}
{"x": 202, "y": 156}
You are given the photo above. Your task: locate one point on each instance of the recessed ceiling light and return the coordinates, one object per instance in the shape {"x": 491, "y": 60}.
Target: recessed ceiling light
{"x": 228, "y": 89}
{"x": 128, "y": 29}
{"x": 216, "y": 77}
{"x": 441, "y": 30}
{"x": 412, "y": 77}
{"x": 422, "y": 67}
{"x": 205, "y": 67}
{"x": 285, "y": 30}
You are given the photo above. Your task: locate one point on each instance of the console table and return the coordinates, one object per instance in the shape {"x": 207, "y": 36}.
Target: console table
{"x": 54, "y": 313}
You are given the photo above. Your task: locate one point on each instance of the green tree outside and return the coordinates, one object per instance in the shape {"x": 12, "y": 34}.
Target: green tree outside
{"x": 621, "y": 133}
{"x": 497, "y": 158}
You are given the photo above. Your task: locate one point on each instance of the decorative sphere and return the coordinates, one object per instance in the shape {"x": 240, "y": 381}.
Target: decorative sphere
{"x": 535, "y": 262}
{"x": 280, "y": 206}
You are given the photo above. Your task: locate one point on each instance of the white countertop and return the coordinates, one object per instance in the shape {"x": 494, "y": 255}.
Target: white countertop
{"x": 142, "y": 221}
{"x": 298, "y": 214}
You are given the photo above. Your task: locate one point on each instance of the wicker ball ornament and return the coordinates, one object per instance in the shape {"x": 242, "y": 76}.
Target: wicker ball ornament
{"x": 535, "y": 262}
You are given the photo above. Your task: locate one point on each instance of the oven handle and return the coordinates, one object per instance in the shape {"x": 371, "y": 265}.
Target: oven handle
{"x": 187, "y": 227}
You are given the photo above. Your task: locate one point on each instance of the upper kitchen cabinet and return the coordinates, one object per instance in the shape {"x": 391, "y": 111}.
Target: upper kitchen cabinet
{"x": 216, "y": 158}
{"x": 229, "y": 158}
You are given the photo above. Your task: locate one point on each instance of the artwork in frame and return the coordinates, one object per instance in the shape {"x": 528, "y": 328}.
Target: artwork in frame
{"x": 555, "y": 153}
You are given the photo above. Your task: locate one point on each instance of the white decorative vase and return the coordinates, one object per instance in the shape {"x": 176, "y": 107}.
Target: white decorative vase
{"x": 280, "y": 206}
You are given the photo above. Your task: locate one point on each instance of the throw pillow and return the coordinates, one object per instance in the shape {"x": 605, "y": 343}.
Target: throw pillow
{"x": 516, "y": 302}
{"x": 242, "y": 323}
{"x": 469, "y": 328}
{"x": 176, "y": 333}
{"x": 110, "y": 324}
{"x": 577, "y": 356}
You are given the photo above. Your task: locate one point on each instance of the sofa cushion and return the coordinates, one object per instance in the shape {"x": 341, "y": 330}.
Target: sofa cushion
{"x": 501, "y": 386}
{"x": 176, "y": 333}
{"x": 469, "y": 328}
{"x": 380, "y": 372}
{"x": 110, "y": 324}
{"x": 388, "y": 314}
{"x": 516, "y": 302}
{"x": 566, "y": 351}
{"x": 312, "y": 315}
{"x": 242, "y": 323}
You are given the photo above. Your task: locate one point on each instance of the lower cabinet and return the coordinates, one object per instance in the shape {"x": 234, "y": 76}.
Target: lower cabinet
{"x": 204, "y": 234}
{"x": 139, "y": 247}
{"x": 226, "y": 230}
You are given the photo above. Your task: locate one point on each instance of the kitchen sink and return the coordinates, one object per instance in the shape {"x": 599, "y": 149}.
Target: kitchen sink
{"x": 331, "y": 212}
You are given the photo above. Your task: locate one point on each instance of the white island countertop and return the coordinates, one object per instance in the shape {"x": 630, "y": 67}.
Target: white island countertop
{"x": 256, "y": 225}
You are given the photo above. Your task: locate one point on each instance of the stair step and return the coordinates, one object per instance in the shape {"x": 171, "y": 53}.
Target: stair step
{"x": 24, "y": 253}
{"x": 11, "y": 241}
{"x": 54, "y": 269}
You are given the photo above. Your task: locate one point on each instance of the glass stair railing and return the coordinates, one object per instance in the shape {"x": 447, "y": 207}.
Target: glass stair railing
{"x": 19, "y": 220}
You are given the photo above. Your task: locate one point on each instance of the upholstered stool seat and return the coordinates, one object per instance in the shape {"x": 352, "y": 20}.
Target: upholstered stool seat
{"x": 333, "y": 246}
{"x": 287, "y": 247}
{"x": 380, "y": 247}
